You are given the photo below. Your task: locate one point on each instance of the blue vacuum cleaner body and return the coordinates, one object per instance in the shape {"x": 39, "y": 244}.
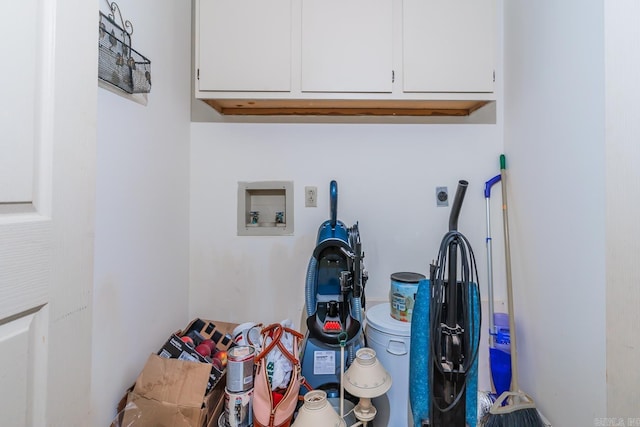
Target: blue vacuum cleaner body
{"x": 334, "y": 297}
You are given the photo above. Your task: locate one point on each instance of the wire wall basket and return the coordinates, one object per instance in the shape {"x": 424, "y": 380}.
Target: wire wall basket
{"x": 119, "y": 64}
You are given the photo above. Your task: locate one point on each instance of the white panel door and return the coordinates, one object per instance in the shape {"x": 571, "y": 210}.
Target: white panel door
{"x": 20, "y": 355}
{"x": 25, "y": 223}
{"x": 347, "y": 46}
{"x": 18, "y": 58}
{"x": 47, "y": 150}
{"x": 244, "y": 45}
{"x": 448, "y": 45}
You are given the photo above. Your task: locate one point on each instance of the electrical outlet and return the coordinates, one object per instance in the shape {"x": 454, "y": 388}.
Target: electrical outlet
{"x": 442, "y": 196}
{"x": 310, "y": 197}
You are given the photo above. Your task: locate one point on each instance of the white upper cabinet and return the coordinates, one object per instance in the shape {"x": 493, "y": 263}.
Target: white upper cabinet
{"x": 345, "y": 57}
{"x": 347, "y": 46}
{"x": 244, "y": 45}
{"x": 448, "y": 45}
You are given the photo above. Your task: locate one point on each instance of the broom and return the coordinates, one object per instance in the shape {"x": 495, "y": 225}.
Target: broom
{"x": 513, "y": 407}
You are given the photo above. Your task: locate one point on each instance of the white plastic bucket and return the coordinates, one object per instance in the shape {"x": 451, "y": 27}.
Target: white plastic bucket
{"x": 391, "y": 340}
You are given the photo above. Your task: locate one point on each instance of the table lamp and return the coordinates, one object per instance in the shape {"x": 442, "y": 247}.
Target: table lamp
{"x": 316, "y": 411}
{"x": 365, "y": 379}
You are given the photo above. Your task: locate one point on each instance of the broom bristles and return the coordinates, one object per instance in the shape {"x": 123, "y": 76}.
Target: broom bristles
{"x": 527, "y": 417}
{"x": 513, "y": 409}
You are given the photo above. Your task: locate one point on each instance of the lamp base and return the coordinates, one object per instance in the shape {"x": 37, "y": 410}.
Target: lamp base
{"x": 364, "y": 410}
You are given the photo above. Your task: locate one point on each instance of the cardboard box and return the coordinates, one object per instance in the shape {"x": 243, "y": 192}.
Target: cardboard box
{"x": 171, "y": 392}
{"x": 178, "y": 391}
{"x": 175, "y": 348}
{"x": 219, "y": 332}
{"x": 199, "y": 329}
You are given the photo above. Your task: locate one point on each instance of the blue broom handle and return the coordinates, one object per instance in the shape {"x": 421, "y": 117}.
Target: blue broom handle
{"x": 489, "y": 184}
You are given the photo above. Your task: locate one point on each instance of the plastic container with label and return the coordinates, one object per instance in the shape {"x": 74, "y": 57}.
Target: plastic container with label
{"x": 404, "y": 286}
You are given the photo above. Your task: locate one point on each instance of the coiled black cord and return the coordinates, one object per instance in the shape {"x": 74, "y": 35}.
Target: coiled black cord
{"x": 469, "y": 286}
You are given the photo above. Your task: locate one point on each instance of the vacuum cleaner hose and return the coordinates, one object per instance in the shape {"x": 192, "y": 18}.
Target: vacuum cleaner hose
{"x": 356, "y": 313}
{"x": 457, "y": 204}
{"x": 310, "y": 287}
{"x": 356, "y": 309}
{"x": 470, "y": 309}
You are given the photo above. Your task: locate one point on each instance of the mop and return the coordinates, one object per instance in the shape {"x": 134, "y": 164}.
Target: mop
{"x": 499, "y": 359}
{"x": 513, "y": 408}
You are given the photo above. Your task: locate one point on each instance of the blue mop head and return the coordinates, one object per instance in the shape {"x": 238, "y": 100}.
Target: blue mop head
{"x": 500, "y": 370}
{"x": 500, "y": 354}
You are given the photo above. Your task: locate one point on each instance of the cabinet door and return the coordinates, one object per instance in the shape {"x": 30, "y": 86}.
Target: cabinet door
{"x": 244, "y": 45}
{"x": 346, "y": 46}
{"x": 448, "y": 45}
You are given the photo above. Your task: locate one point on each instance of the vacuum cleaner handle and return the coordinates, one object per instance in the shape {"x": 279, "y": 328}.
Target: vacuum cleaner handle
{"x": 333, "y": 197}
{"x": 452, "y": 298}
{"x": 457, "y": 205}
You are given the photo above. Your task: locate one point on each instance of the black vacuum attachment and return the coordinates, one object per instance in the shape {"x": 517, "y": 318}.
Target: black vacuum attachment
{"x": 454, "y": 329}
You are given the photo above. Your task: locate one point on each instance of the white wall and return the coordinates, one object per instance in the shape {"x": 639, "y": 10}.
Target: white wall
{"x": 66, "y": 135}
{"x": 141, "y": 236}
{"x": 554, "y": 141}
{"x": 386, "y": 177}
{"x": 622, "y": 39}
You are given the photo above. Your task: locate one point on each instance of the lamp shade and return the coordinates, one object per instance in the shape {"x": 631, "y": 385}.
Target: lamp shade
{"x": 316, "y": 411}
{"x": 366, "y": 377}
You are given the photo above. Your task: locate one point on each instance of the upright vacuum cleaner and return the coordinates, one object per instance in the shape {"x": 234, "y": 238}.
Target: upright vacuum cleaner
{"x": 334, "y": 297}
{"x": 445, "y": 334}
